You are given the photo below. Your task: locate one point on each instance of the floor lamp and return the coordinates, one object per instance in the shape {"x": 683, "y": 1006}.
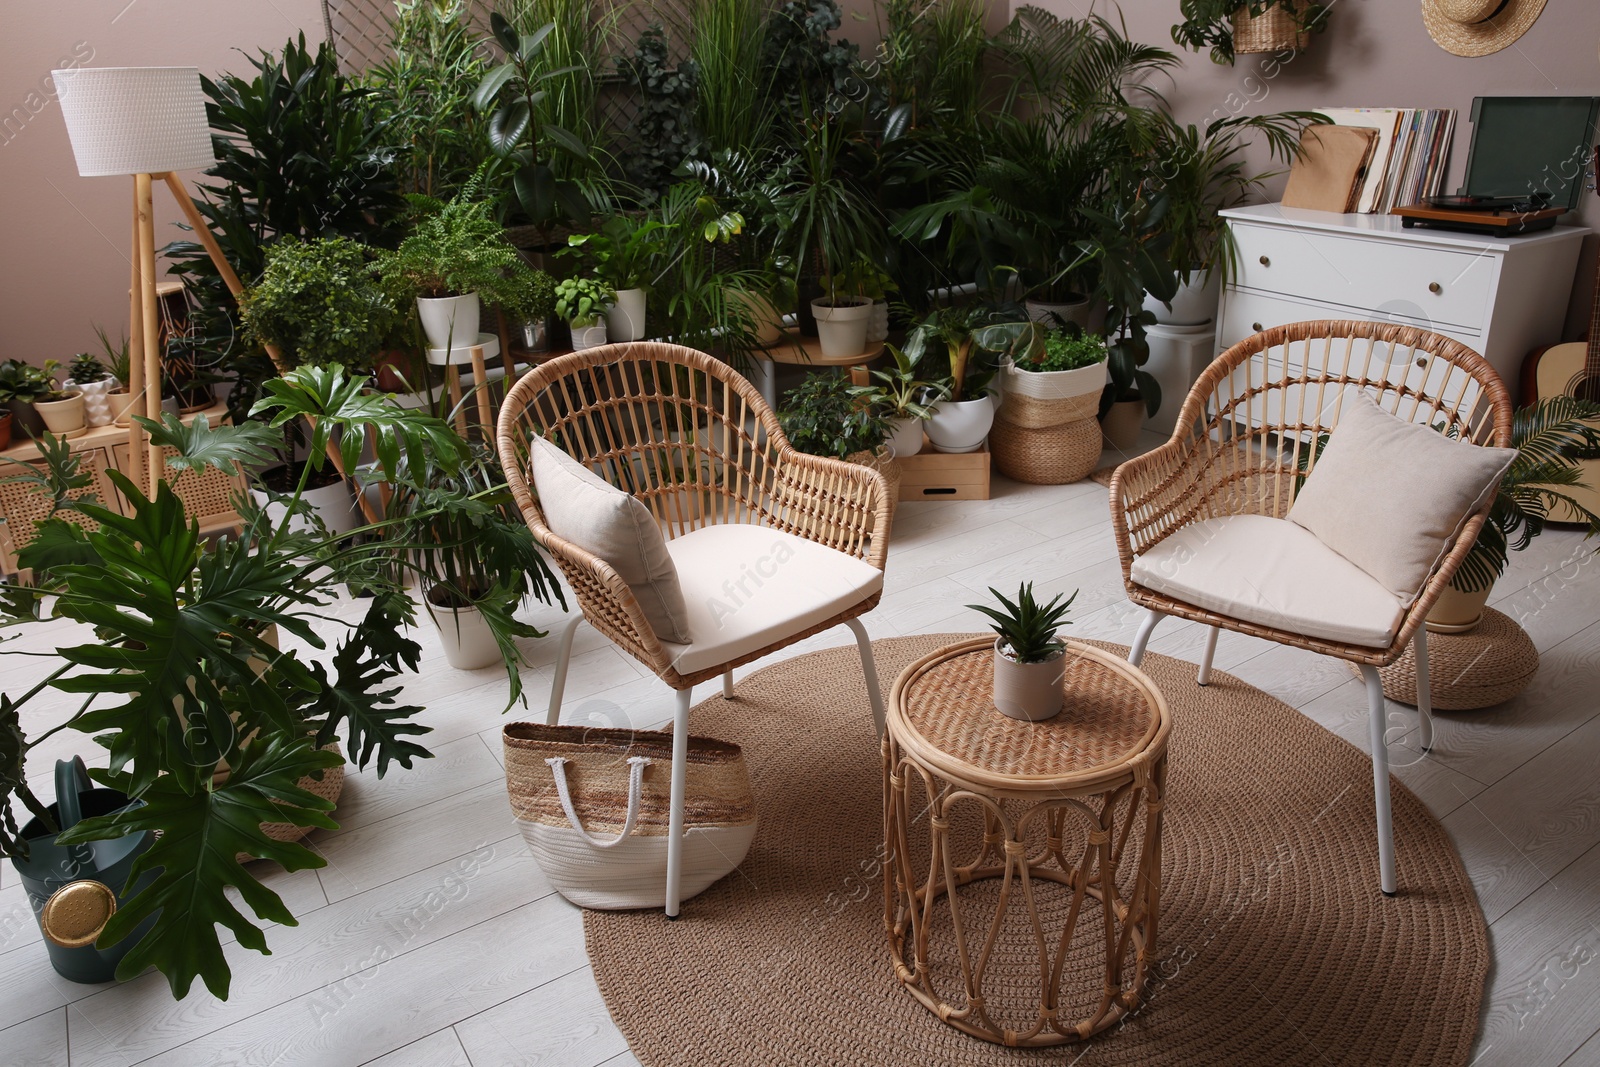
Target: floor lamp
{"x": 150, "y": 122}
{"x": 147, "y": 122}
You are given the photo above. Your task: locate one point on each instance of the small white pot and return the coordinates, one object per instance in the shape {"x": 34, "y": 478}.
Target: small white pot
{"x": 1047, "y": 311}
{"x": 591, "y": 336}
{"x": 961, "y": 425}
{"x": 878, "y": 324}
{"x": 96, "y": 400}
{"x": 64, "y": 418}
{"x": 842, "y": 328}
{"x": 449, "y": 321}
{"x": 334, "y": 505}
{"x": 906, "y": 440}
{"x": 1195, "y": 303}
{"x": 625, "y": 318}
{"x": 468, "y": 642}
{"x": 1027, "y": 691}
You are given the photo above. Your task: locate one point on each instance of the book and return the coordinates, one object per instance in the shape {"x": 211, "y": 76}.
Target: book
{"x": 1411, "y": 158}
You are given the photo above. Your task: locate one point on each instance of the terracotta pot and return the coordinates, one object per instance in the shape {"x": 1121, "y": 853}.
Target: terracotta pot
{"x": 5, "y": 429}
{"x": 765, "y": 319}
{"x": 1456, "y": 612}
{"x": 1027, "y": 691}
{"x": 1122, "y": 423}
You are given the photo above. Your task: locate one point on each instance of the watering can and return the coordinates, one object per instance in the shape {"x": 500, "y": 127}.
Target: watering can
{"x": 75, "y": 889}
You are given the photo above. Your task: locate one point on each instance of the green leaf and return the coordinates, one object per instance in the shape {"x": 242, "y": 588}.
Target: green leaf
{"x": 567, "y": 141}
{"x": 504, "y": 32}
{"x": 489, "y": 89}
{"x": 202, "y": 832}
{"x": 508, "y": 125}
{"x": 528, "y": 45}
{"x": 201, "y": 445}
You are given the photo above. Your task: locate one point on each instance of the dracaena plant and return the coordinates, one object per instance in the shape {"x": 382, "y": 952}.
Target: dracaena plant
{"x": 1027, "y": 628}
{"x": 178, "y": 677}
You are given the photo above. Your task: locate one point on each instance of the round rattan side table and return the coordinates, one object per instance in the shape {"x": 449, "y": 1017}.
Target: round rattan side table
{"x": 1022, "y": 882}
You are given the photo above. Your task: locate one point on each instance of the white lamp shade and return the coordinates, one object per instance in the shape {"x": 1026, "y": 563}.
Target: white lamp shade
{"x": 135, "y": 120}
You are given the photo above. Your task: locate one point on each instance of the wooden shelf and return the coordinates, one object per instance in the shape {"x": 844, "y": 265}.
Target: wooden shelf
{"x": 796, "y": 350}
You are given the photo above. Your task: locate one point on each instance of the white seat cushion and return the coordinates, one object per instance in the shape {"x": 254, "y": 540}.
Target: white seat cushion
{"x": 747, "y": 586}
{"x": 1275, "y": 573}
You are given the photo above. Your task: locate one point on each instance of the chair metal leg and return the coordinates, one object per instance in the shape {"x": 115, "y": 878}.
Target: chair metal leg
{"x": 869, "y": 667}
{"x": 563, "y": 656}
{"x": 1419, "y": 652}
{"x": 727, "y": 684}
{"x": 1146, "y": 628}
{"x": 680, "y": 759}
{"x": 1380, "y": 778}
{"x": 1204, "y": 676}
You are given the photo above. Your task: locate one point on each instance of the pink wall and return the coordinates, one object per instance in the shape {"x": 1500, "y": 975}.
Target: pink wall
{"x": 65, "y": 239}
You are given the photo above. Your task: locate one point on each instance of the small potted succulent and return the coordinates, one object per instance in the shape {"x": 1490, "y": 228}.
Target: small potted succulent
{"x": 1028, "y": 656}
{"x": 95, "y": 382}
{"x": 21, "y": 386}
{"x": 905, "y": 400}
{"x": 61, "y": 407}
{"x": 582, "y": 303}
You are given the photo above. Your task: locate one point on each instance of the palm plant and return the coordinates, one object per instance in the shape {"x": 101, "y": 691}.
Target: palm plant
{"x": 831, "y": 220}
{"x": 1210, "y": 22}
{"x": 1546, "y": 435}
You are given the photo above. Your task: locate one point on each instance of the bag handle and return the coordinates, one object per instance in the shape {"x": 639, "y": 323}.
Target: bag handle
{"x": 636, "y": 766}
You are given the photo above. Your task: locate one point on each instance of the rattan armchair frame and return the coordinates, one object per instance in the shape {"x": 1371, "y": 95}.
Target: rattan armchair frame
{"x": 1247, "y": 434}
{"x": 697, "y": 444}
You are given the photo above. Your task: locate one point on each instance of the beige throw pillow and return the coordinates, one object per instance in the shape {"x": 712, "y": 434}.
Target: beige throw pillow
{"x": 1389, "y": 496}
{"x": 591, "y": 513}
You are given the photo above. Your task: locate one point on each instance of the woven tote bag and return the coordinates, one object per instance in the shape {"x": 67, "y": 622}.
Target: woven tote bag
{"x": 593, "y": 806}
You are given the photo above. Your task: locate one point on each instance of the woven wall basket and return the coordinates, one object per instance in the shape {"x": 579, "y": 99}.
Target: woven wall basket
{"x": 592, "y": 805}
{"x": 1055, "y": 455}
{"x": 1275, "y": 30}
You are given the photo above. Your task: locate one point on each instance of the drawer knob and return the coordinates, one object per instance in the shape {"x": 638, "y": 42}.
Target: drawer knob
{"x": 1421, "y": 362}
{"x": 1435, "y": 288}
{"x": 1266, "y": 261}
{"x": 1256, "y": 326}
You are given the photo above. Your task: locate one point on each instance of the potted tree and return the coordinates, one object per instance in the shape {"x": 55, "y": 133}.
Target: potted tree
{"x": 626, "y": 251}
{"x": 582, "y": 304}
{"x": 61, "y": 407}
{"x": 1546, "y": 435}
{"x": 1236, "y": 27}
{"x": 1028, "y": 656}
{"x": 905, "y": 400}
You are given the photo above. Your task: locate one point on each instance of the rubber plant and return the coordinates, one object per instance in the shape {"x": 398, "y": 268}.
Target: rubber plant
{"x": 179, "y": 676}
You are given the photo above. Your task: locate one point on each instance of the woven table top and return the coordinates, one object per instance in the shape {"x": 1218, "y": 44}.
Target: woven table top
{"x": 943, "y": 715}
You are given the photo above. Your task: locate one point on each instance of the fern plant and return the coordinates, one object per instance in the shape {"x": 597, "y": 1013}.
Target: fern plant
{"x": 457, "y": 248}
{"x": 1547, "y": 436}
{"x": 1027, "y": 628}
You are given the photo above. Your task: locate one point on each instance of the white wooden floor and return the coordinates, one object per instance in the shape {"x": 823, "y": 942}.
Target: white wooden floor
{"x": 430, "y": 938}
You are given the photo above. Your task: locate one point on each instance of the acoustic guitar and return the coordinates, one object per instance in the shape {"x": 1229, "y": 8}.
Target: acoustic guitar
{"x": 1571, "y": 370}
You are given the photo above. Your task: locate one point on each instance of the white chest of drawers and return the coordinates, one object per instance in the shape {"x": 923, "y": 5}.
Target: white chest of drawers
{"x": 1501, "y": 297}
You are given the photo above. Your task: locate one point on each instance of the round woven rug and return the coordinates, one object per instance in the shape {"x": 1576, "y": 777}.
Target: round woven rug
{"x": 1275, "y": 944}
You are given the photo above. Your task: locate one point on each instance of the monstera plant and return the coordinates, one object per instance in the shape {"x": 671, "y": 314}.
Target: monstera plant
{"x": 181, "y": 679}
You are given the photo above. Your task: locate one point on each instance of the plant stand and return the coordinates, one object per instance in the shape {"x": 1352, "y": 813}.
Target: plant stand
{"x": 1487, "y": 665}
{"x": 797, "y": 351}
{"x": 931, "y": 475}
{"x": 475, "y": 356}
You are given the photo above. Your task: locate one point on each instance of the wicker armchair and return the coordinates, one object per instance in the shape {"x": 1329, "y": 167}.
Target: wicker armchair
{"x": 696, "y": 443}
{"x": 1244, "y": 439}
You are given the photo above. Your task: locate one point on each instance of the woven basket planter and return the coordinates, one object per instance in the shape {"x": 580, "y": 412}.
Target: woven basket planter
{"x": 1275, "y": 30}
{"x": 1485, "y": 666}
{"x": 1036, "y": 400}
{"x": 1054, "y": 455}
{"x": 599, "y": 832}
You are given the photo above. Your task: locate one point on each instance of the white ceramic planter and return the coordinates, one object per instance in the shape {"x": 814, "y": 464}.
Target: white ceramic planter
{"x": 449, "y": 321}
{"x": 468, "y": 642}
{"x": 1195, "y": 303}
{"x": 961, "y": 425}
{"x": 842, "y": 328}
{"x": 64, "y": 418}
{"x": 592, "y": 336}
{"x": 625, "y": 319}
{"x": 334, "y": 505}
{"x": 878, "y": 324}
{"x": 97, "y": 409}
{"x": 1047, "y": 311}
{"x": 906, "y": 440}
{"x": 1456, "y": 612}
{"x": 1027, "y": 691}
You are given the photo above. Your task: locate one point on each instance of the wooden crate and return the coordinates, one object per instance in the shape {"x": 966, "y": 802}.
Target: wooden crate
{"x": 931, "y": 475}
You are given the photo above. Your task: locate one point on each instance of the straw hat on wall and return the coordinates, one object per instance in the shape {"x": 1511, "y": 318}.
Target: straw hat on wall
{"x": 1479, "y": 27}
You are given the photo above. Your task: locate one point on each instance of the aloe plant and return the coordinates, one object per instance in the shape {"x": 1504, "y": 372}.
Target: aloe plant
{"x": 1027, "y": 627}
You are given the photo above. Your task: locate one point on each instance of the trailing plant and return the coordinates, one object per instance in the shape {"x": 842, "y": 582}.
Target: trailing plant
{"x": 824, "y": 416}
{"x": 1026, "y": 627}
{"x": 457, "y": 248}
{"x": 900, "y": 394}
{"x": 321, "y": 301}
{"x": 626, "y": 250}
{"x": 1546, "y": 436}
{"x": 1210, "y": 22}
{"x": 86, "y": 368}
{"x": 582, "y": 301}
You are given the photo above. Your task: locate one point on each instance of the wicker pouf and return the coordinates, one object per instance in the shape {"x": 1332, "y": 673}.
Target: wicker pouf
{"x": 1485, "y": 666}
{"x": 1054, "y": 455}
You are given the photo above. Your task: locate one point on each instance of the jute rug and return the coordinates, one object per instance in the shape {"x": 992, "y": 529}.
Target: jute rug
{"x": 1275, "y": 944}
